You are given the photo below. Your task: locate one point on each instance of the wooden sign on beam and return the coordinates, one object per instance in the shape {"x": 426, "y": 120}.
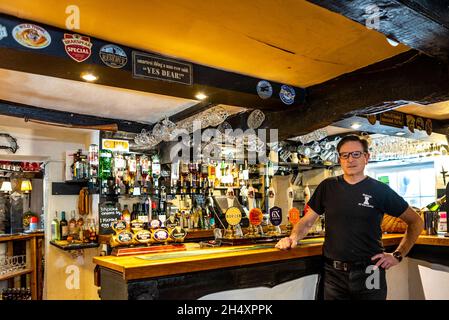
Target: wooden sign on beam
{"x": 392, "y": 119}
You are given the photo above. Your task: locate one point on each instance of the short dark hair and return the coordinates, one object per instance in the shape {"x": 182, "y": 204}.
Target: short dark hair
{"x": 353, "y": 137}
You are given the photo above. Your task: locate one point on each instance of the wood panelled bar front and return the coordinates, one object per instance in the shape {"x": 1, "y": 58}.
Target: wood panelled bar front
{"x": 195, "y": 272}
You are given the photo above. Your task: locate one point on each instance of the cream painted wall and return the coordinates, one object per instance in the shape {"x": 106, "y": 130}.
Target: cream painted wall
{"x": 66, "y": 276}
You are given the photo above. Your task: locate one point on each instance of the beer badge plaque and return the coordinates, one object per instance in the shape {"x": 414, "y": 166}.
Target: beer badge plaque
{"x": 419, "y": 123}
{"x": 372, "y": 118}
{"x": 287, "y": 94}
{"x": 428, "y": 127}
{"x": 3, "y": 32}
{"x": 77, "y": 47}
{"x": 410, "y": 120}
{"x": 31, "y": 36}
{"x": 275, "y": 216}
{"x": 113, "y": 56}
{"x": 264, "y": 89}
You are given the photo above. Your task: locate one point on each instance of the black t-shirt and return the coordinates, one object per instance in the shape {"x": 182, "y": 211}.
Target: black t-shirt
{"x": 354, "y": 214}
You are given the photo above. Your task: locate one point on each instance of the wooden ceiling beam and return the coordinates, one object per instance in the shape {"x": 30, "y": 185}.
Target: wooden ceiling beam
{"x": 420, "y": 24}
{"x": 408, "y": 77}
{"x": 68, "y": 119}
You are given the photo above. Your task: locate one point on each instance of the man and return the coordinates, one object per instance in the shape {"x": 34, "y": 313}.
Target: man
{"x": 354, "y": 205}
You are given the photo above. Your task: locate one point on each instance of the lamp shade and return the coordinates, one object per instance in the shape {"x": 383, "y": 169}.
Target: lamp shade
{"x": 6, "y": 186}
{"x": 26, "y": 186}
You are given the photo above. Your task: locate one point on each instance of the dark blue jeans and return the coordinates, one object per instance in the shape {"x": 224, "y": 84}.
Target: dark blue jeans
{"x": 358, "y": 283}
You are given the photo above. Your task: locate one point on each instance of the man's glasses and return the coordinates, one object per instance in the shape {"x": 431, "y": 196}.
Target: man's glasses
{"x": 354, "y": 154}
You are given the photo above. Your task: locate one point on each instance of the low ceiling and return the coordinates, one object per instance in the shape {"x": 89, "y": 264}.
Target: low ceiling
{"x": 288, "y": 41}
{"x": 87, "y": 98}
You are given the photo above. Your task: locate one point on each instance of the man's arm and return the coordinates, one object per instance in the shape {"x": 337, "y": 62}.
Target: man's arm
{"x": 299, "y": 231}
{"x": 415, "y": 226}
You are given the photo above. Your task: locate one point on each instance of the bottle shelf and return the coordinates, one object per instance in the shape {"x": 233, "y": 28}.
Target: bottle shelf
{"x": 64, "y": 245}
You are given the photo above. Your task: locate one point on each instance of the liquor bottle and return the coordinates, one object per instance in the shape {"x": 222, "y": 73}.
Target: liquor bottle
{"x": 134, "y": 213}
{"x": 126, "y": 216}
{"x": 63, "y": 226}
{"x": 80, "y": 227}
{"x": 132, "y": 164}
{"x": 184, "y": 177}
{"x": 105, "y": 164}
{"x": 142, "y": 213}
{"x": 235, "y": 173}
{"x": 72, "y": 223}
{"x": 55, "y": 229}
{"x": 435, "y": 206}
{"x": 211, "y": 174}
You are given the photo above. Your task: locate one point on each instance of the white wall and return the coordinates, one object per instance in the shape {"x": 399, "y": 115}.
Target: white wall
{"x": 67, "y": 276}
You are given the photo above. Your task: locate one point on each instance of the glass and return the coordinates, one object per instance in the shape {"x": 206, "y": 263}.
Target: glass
{"x": 354, "y": 154}
{"x": 255, "y": 119}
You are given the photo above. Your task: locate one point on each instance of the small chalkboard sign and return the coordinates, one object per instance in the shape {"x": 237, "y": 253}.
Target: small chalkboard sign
{"x": 108, "y": 213}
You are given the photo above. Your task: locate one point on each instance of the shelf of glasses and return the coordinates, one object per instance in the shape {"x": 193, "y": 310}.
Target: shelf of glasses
{"x": 14, "y": 274}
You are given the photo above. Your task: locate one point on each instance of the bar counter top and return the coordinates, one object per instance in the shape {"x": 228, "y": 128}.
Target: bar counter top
{"x": 195, "y": 258}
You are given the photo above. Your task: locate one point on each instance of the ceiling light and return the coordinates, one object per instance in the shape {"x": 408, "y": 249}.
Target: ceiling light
{"x": 89, "y": 77}
{"x": 355, "y": 125}
{"x": 392, "y": 42}
{"x": 400, "y": 133}
{"x": 200, "y": 96}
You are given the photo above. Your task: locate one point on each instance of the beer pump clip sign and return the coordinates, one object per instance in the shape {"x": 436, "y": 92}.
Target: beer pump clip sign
{"x": 276, "y": 216}
{"x": 233, "y": 216}
{"x": 255, "y": 216}
{"x": 115, "y": 145}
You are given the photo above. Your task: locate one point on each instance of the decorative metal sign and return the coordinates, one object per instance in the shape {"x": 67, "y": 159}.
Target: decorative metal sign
{"x": 287, "y": 94}
{"x": 3, "y": 32}
{"x": 77, "y": 47}
{"x": 264, "y": 89}
{"x": 31, "y": 36}
{"x": 153, "y": 67}
{"x": 8, "y": 142}
{"x": 113, "y": 56}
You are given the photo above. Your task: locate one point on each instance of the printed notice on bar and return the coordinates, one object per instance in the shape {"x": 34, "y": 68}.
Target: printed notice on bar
{"x": 154, "y": 67}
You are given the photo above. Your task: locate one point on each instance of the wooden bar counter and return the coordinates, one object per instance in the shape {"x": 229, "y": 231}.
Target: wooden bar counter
{"x": 197, "y": 272}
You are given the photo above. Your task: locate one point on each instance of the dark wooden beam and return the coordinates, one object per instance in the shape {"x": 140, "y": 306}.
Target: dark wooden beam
{"x": 68, "y": 119}
{"x": 220, "y": 87}
{"x": 410, "y": 76}
{"x": 420, "y": 24}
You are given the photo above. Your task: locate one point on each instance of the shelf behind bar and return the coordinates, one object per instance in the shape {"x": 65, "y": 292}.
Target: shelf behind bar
{"x": 14, "y": 274}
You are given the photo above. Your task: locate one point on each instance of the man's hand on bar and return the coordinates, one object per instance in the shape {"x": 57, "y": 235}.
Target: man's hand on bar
{"x": 286, "y": 243}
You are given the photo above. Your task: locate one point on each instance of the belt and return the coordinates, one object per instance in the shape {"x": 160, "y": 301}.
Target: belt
{"x": 347, "y": 266}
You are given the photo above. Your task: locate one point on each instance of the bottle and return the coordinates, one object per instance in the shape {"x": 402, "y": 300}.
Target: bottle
{"x": 64, "y": 226}
{"x": 72, "y": 223}
{"x": 55, "y": 229}
{"x": 435, "y": 206}
{"x": 126, "y": 215}
{"x": 105, "y": 164}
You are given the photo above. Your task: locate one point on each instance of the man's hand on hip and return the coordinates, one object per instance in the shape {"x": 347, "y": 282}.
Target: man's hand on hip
{"x": 386, "y": 260}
